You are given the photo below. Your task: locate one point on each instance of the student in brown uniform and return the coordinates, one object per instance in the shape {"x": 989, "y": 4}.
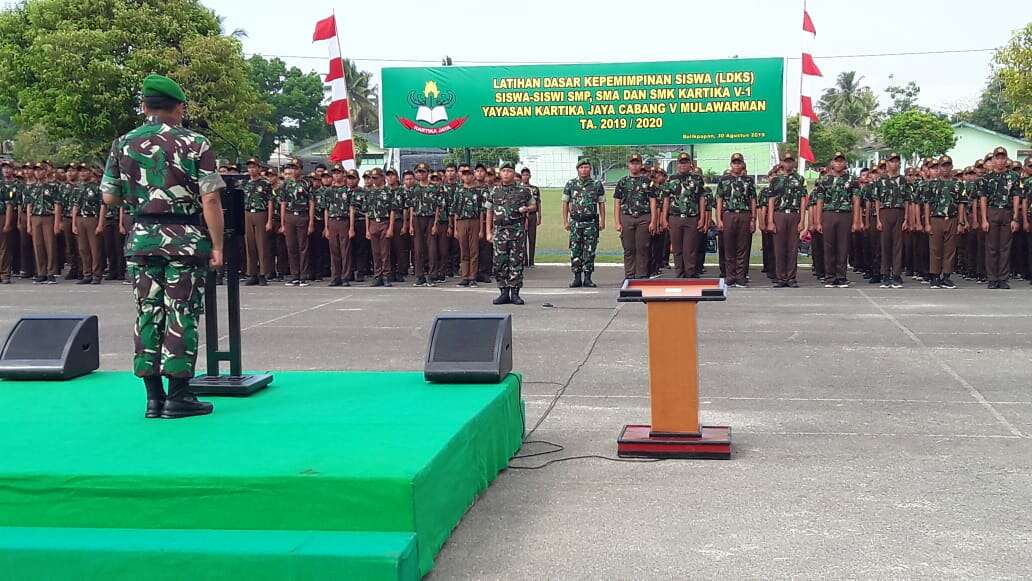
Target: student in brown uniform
{"x": 401, "y": 242}
{"x": 999, "y": 197}
{"x": 9, "y": 188}
{"x": 684, "y": 217}
{"x": 636, "y": 216}
{"x": 467, "y": 214}
{"x": 943, "y": 205}
{"x": 736, "y": 220}
{"x": 43, "y": 205}
{"x": 258, "y": 204}
{"x": 787, "y": 200}
{"x": 533, "y": 218}
{"x": 88, "y": 225}
{"x": 69, "y": 242}
{"x": 838, "y": 214}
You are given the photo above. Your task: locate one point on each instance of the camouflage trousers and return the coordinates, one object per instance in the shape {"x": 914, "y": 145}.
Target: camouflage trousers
{"x": 583, "y": 244}
{"x": 510, "y": 255}
{"x": 169, "y": 302}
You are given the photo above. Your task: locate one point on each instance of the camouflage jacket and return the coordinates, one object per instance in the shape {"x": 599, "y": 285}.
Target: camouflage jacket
{"x": 1026, "y": 190}
{"x": 336, "y": 201}
{"x": 467, "y": 203}
{"x": 893, "y": 192}
{"x": 42, "y": 197}
{"x": 296, "y": 196}
{"x": 535, "y": 193}
{"x": 583, "y": 197}
{"x": 10, "y": 194}
{"x": 378, "y": 203}
{"x": 736, "y": 191}
{"x": 684, "y": 191}
{"x": 837, "y": 192}
{"x": 160, "y": 169}
{"x": 634, "y": 193}
{"x": 998, "y": 188}
{"x": 787, "y": 191}
{"x": 89, "y": 200}
{"x": 425, "y": 200}
{"x": 257, "y": 195}
{"x": 504, "y": 203}
{"x": 69, "y": 196}
{"x": 399, "y": 202}
{"x": 943, "y": 197}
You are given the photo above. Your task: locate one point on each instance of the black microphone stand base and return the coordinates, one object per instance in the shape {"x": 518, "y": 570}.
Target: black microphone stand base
{"x": 229, "y": 385}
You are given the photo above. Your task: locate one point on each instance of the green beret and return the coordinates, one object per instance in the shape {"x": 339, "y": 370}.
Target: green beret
{"x": 160, "y": 86}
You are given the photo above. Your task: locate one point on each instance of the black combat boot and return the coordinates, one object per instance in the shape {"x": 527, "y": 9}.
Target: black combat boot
{"x": 378, "y": 281}
{"x": 181, "y": 403}
{"x": 515, "y": 299}
{"x": 336, "y": 282}
{"x": 262, "y": 281}
{"x": 87, "y": 280}
{"x": 577, "y": 283}
{"x": 252, "y": 281}
{"x": 155, "y": 396}
{"x": 588, "y": 282}
{"x": 503, "y": 297}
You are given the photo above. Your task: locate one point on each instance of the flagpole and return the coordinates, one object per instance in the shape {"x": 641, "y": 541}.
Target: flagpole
{"x": 802, "y": 162}
{"x": 340, "y": 51}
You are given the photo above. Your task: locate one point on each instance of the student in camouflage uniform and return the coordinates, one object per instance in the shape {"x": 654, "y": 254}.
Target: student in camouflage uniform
{"x": 944, "y": 203}
{"x": 27, "y": 257}
{"x": 424, "y": 206}
{"x": 88, "y": 224}
{"x": 257, "y": 225}
{"x": 892, "y": 198}
{"x": 636, "y": 215}
{"x": 533, "y": 218}
{"x": 838, "y": 214}
{"x": 999, "y": 198}
{"x": 9, "y": 190}
{"x": 736, "y": 220}
{"x": 683, "y": 209}
{"x": 507, "y": 206}
{"x": 584, "y": 217}
{"x": 338, "y": 215}
{"x": 166, "y": 176}
{"x": 466, "y": 208}
{"x": 297, "y": 206}
{"x": 1026, "y": 201}
{"x": 70, "y": 191}
{"x": 787, "y": 198}
{"x": 380, "y": 206}
{"x": 441, "y": 236}
{"x": 401, "y": 242}
{"x": 44, "y": 210}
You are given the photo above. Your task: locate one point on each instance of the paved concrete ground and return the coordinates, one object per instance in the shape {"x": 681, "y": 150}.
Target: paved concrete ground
{"x": 879, "y": 433}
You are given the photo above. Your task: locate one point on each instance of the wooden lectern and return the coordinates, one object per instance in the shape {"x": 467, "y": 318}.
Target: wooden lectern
{"x": 676, "y": 431}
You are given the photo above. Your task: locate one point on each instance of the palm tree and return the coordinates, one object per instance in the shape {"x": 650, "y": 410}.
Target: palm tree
{"x": 364, "y": 98}
{"x": 237, "y": 33}
{"x": 848, "y": 102}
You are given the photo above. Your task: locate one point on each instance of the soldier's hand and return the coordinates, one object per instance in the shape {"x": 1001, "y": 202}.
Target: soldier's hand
{"x": 720, "y": 225}
{"x": 490, "y": 237}
{"x": 985, "y": 225}
{"x": 752, "y": 225}
{"x": 619, "y": 226}
{"x": 351, "y": 233}
{"x": 57, "y": 228}
{"x": 99, "y": 230}
{"x": 601, "y": 226}
{"x": 7, "y": 229}
{"x": 819, "y": 228}
{"x": 1014, "y": 225}
{"x": 878, "y": 226}
{"x": 771, "y": 228}
{"x": 282, "y": 230}
{"x": 268, "y": 227}
{"x": 1028, "y": 226}
{"x": 326, "y": 233}
{"x": 75, "y": 229}
{"x": 652, "y": 228}
{"x": 928, "y": 228}
{"x": 311, "y": 228}
{"x": 368, "y": 235}
{"x": 216, "y": 259}
{"x": 121, "y": 230}
{"x": 566, "y": 226}
{"x": 412, "y": 231}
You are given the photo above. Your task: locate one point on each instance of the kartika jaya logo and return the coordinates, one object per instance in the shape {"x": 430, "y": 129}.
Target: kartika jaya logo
{"x": 431, "y": 111}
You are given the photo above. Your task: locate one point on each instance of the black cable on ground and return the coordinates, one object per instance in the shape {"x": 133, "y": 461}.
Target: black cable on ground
{"x": 588, "y": 457}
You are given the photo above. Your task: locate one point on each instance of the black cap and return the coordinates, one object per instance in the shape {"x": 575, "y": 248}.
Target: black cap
{"x": 422, "y": 167}
{"x": 584, "y": 161}
{"x": 351, "y": 173}
{"x": 683, "y": 157}
{"x": 893, "y": 156}
{"x": 634, "y": 157}
{"x": 253, "y": 161}
{"x": 945, "y": 160}
{"x": 1001, "y": 150}
{"x": 737, "y": 157}
{"x": 838, "y": 154}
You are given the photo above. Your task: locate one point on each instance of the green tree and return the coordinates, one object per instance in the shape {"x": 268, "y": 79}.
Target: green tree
{"x": 918, "y": 133}
{"x": 486, "y": 155}
{"x": 825, "y": 140}
{"x": 363, "y": 99}
{"x": 849, "y": 103}
{"x": 295, "y": 98}
{"x": 1015, "y": 70}
{"x": 76, "y": 66}
{"x": 993, "y": 107}
{"x": 904, "y": 97}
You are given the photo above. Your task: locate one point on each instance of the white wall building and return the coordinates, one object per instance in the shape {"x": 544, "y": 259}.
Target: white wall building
{"x": 550, "y": 167}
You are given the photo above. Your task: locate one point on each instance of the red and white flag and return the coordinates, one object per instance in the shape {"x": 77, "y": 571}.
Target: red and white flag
{"x": 807, "y": 114}
{"x": 337, "y": 113}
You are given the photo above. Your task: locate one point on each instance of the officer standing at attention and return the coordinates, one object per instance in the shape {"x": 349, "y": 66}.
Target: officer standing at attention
{"x": 379, "y": 205}
{"x": 297, "y": 208}
{"x": 88, "y": 225}
{"x": 466, "y": 209}
{"x": 423, "y": 208}
{"x": 257, "y": 225}
{"x": 584, "y": 217}
{"x": 338, "y": 215}
{"x": 533, "y": 218}
{"x": 44, "y": 214}
{"x": 943, "y": 204}
{"x": 167, "y": 248}
{"x": 507, "y": 207}
{"x": 684, "y": 206}
{"x": 787, "y": 199}
{"x": 736, "y": 220}
{"x": 999, "y": 197}
{"x": 637, "y": 218}
{"x": 892, "y": 198}
{"x": 838, "y": 214}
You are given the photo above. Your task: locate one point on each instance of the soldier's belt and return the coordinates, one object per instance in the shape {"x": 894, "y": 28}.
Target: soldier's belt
{"x": 256, "y": 211}
{"x": 338, "y": 218}
{"x": 637, "y": 214}
{"x": 169, "y": 219}
{"x": 789, "y": 211}
{"x": 737, "y": 211}
{"x": 305, "y": 213}
{"x": 837, "y": 211}
{"x": 584, "y": 218}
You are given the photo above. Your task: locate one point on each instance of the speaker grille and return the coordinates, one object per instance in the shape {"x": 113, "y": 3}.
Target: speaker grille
{"x": 465, "y": 340}
{"x": 35, "y": 339}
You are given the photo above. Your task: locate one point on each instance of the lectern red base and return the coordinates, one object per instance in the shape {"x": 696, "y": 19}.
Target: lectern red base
{"x": 636, "y": 442}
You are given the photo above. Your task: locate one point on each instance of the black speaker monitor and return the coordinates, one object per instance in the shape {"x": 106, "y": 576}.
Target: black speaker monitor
{"x": 51, "y": 347}
{"x": 469, "y": 348}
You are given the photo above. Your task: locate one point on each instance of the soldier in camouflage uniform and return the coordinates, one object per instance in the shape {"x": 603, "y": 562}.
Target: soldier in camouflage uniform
{"x": 507, "y": 206}
{"x": 70, "y": 191}
{"x": 338, "y": 215}
{"x": 683, "y": 208}
{"x": 838, "y": 215}
{"x": 466, "y": 208}
{"x": 44, "y": 212}
{"x": 88, "y": 226}
{"x": 787, "y": 199}
{"x": 892, "y": 198}
{"x": 736, "y": 220}
{"x": 257, "y": 225}
{"x": 9, "y": 190}
{"x": 534, "y": 218}
{"x": 380, "y": 206}
{"x": 401, "y": 242}
{"x": 297, "y": 206}
{"x": 943, "y": 204}
{"x": 999, "y": 194}
{"x": 424, "y": 205}
{"x": 166, "y": 176}
{"x": 584, "y": 216}
{"x": 1026, "y": 203}
{"x": 636, "y": 215}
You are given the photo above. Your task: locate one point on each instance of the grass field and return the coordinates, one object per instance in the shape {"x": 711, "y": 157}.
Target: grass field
{"x": 553, "y": 240}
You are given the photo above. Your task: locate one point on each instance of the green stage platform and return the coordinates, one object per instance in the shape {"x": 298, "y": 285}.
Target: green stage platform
{"x": 320, "y": 451}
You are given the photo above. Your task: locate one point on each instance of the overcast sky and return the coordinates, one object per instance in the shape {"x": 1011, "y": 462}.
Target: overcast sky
{"x": 599, "y": 31}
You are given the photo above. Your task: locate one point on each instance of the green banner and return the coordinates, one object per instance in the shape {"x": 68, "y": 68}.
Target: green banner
{"x": 658, "y": 103}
